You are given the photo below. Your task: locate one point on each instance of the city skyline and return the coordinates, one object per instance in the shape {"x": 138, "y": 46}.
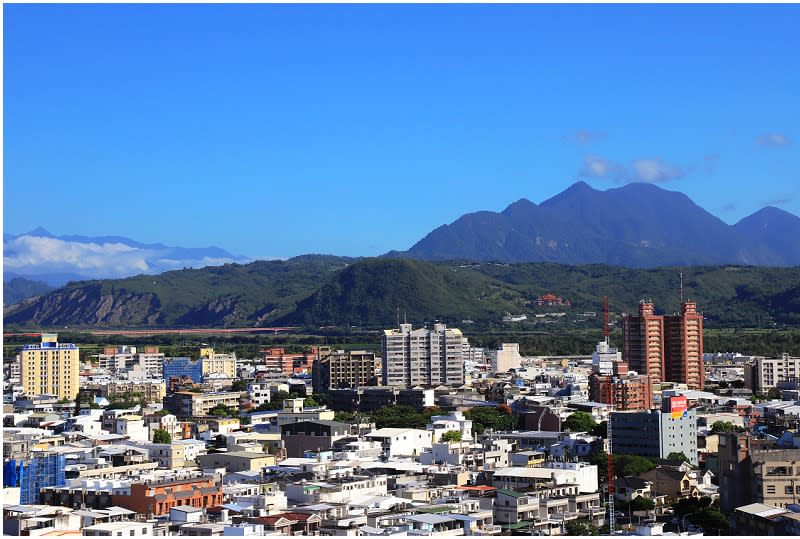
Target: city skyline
{"x": 255, "y": 127}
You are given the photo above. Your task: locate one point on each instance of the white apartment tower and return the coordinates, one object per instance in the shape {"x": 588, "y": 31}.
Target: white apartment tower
{"x": 423, "y": 357}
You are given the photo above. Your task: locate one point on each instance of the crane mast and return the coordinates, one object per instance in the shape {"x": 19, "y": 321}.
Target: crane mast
{"x": 610, "y": 474}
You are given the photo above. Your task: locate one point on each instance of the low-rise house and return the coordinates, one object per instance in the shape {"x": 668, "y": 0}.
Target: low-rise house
{"x": 402, "y": 442}
{"x": 456, "y": 421}
{"x": 237, "y": 461}
{"x": 312, "y": 435}
{"x": 674, "y": 481}
{"x": 116, "y": 529}
{"x": 156, "y": 498}
{"x": 336, "y": 490}
{"x": 288, "y": 523}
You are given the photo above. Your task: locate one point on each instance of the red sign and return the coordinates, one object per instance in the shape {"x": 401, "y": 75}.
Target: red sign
{"x": 677, "y": 406}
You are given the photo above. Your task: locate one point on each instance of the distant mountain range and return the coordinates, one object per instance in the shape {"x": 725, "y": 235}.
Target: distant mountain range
{"x": 637, "y": 225}
{"x": 56, "y": 260}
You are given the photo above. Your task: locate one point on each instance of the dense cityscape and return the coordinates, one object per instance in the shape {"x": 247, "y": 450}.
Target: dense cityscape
{"x": 401, "y": 269}
{"x": 423, "y": 434}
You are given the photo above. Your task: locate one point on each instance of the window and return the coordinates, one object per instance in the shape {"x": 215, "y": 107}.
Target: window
{"x": 770, "y": 489}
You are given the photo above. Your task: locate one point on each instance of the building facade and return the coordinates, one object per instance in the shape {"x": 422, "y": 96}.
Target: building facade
{"x": 765, "y": 373}
{"x": 50, "y": 368}
{"x": 422, "y": 357}
{"x": 666, "y": 348}
{"x": 339, "y": 369}
{"x": 214, "y": 363}
{"x": 506, "y": 358}
{"x": 756, "y": 471}
{"x": 179, "y": 367}
{"x": 190, "y": 404}
{"x": 656, "y": 433}
{"x": 126, "y": 358}
{"x": 628, "y": 392}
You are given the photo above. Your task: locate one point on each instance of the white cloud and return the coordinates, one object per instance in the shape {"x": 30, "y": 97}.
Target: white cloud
{"x": 583, "y": 136}
{"x": 36, "y": 255}
{"x": 640, "y": 170}
{"x": 775, "y": 140}
{"x": 600, "y": 167}
{"x": 654, "y": 171}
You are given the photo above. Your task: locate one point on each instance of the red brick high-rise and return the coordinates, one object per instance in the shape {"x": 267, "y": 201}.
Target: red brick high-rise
{"x": 666, "y": 348}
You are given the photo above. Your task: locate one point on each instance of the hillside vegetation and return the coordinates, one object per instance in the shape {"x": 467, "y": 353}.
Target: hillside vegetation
{"x": 318, "y": 291}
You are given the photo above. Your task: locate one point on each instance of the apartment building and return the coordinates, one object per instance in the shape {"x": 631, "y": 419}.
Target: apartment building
{"x": 340, "y": 369}
{"x": 666, "y": 348}
{"x": 214, "y": 363}
{"x": 191, "y": 404}
{"x": 764, "y": 373}
{"x": 754, "y": 470}
{"x": 422, "y": 357}
{"x": 183, "y": 367}
{"x": 656, "y": 433}
{"x": 506, "y": 357}
{"x": 627, "y": 392}
{"x": 50, "y": 368}
{"x": 278, "y": 360}
{"x": 127, "y": 358}
{"x": 148, "y": 390}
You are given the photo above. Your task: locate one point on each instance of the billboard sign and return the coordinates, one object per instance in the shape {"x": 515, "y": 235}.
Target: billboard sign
{"x": 678, "y": 406}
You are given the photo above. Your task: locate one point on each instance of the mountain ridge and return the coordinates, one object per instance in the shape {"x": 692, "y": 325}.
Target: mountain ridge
{"x": 635, "y": 225}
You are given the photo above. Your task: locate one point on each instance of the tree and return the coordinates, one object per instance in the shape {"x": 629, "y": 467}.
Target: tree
{"x": 632, "y": 465}
{"x": 725, "y": 426}
{"x": 278, "y": 398}
{"x": 160, "y": 436}
{"x": 451, "y": 436}
{"x": 220, "y": 410}
{"x": 485, "y": 417}
{"x": 400, "y": 416}
{"x": 640, "y": 503}
{"x": 601, "y": 429}
{"x": 581, "y": 526}
{"x": 240, "y": 385}
{"x": 678, "y": 455}
{"x": 579, "y": 422}
{"x": 310, "y": 402}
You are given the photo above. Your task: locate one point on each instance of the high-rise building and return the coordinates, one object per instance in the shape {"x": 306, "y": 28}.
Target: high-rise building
{"x": 422, "y": 357}
{"x": 629, "y": 391}
{"x": 666, "y": 348}
{"x": 340, "y": 369}
{"x": 656, "y": 433}
{"x": 50, "y": 368}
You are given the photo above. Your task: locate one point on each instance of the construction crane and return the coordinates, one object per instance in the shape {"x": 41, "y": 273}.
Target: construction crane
{"x": 610, "y": 480}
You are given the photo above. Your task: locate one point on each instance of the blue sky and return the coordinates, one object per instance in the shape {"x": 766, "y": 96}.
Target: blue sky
{"x": 278, "y": 130}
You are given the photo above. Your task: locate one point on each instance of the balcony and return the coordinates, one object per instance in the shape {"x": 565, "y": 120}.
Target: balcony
{"x": 489, "y": 529}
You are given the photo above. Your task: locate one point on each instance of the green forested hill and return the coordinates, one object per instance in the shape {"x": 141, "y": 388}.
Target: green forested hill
{"x": 325, "y": 290}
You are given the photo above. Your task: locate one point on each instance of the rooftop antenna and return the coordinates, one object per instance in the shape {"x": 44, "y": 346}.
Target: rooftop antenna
{"x": 605, "y": 318}
{"x": 398, "y": 315}
{"x": 681, "y": 275}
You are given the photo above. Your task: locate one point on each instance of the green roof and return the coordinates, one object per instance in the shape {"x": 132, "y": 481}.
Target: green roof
{"x": 512, "y": 493}
{"x": 518, "y": 525}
